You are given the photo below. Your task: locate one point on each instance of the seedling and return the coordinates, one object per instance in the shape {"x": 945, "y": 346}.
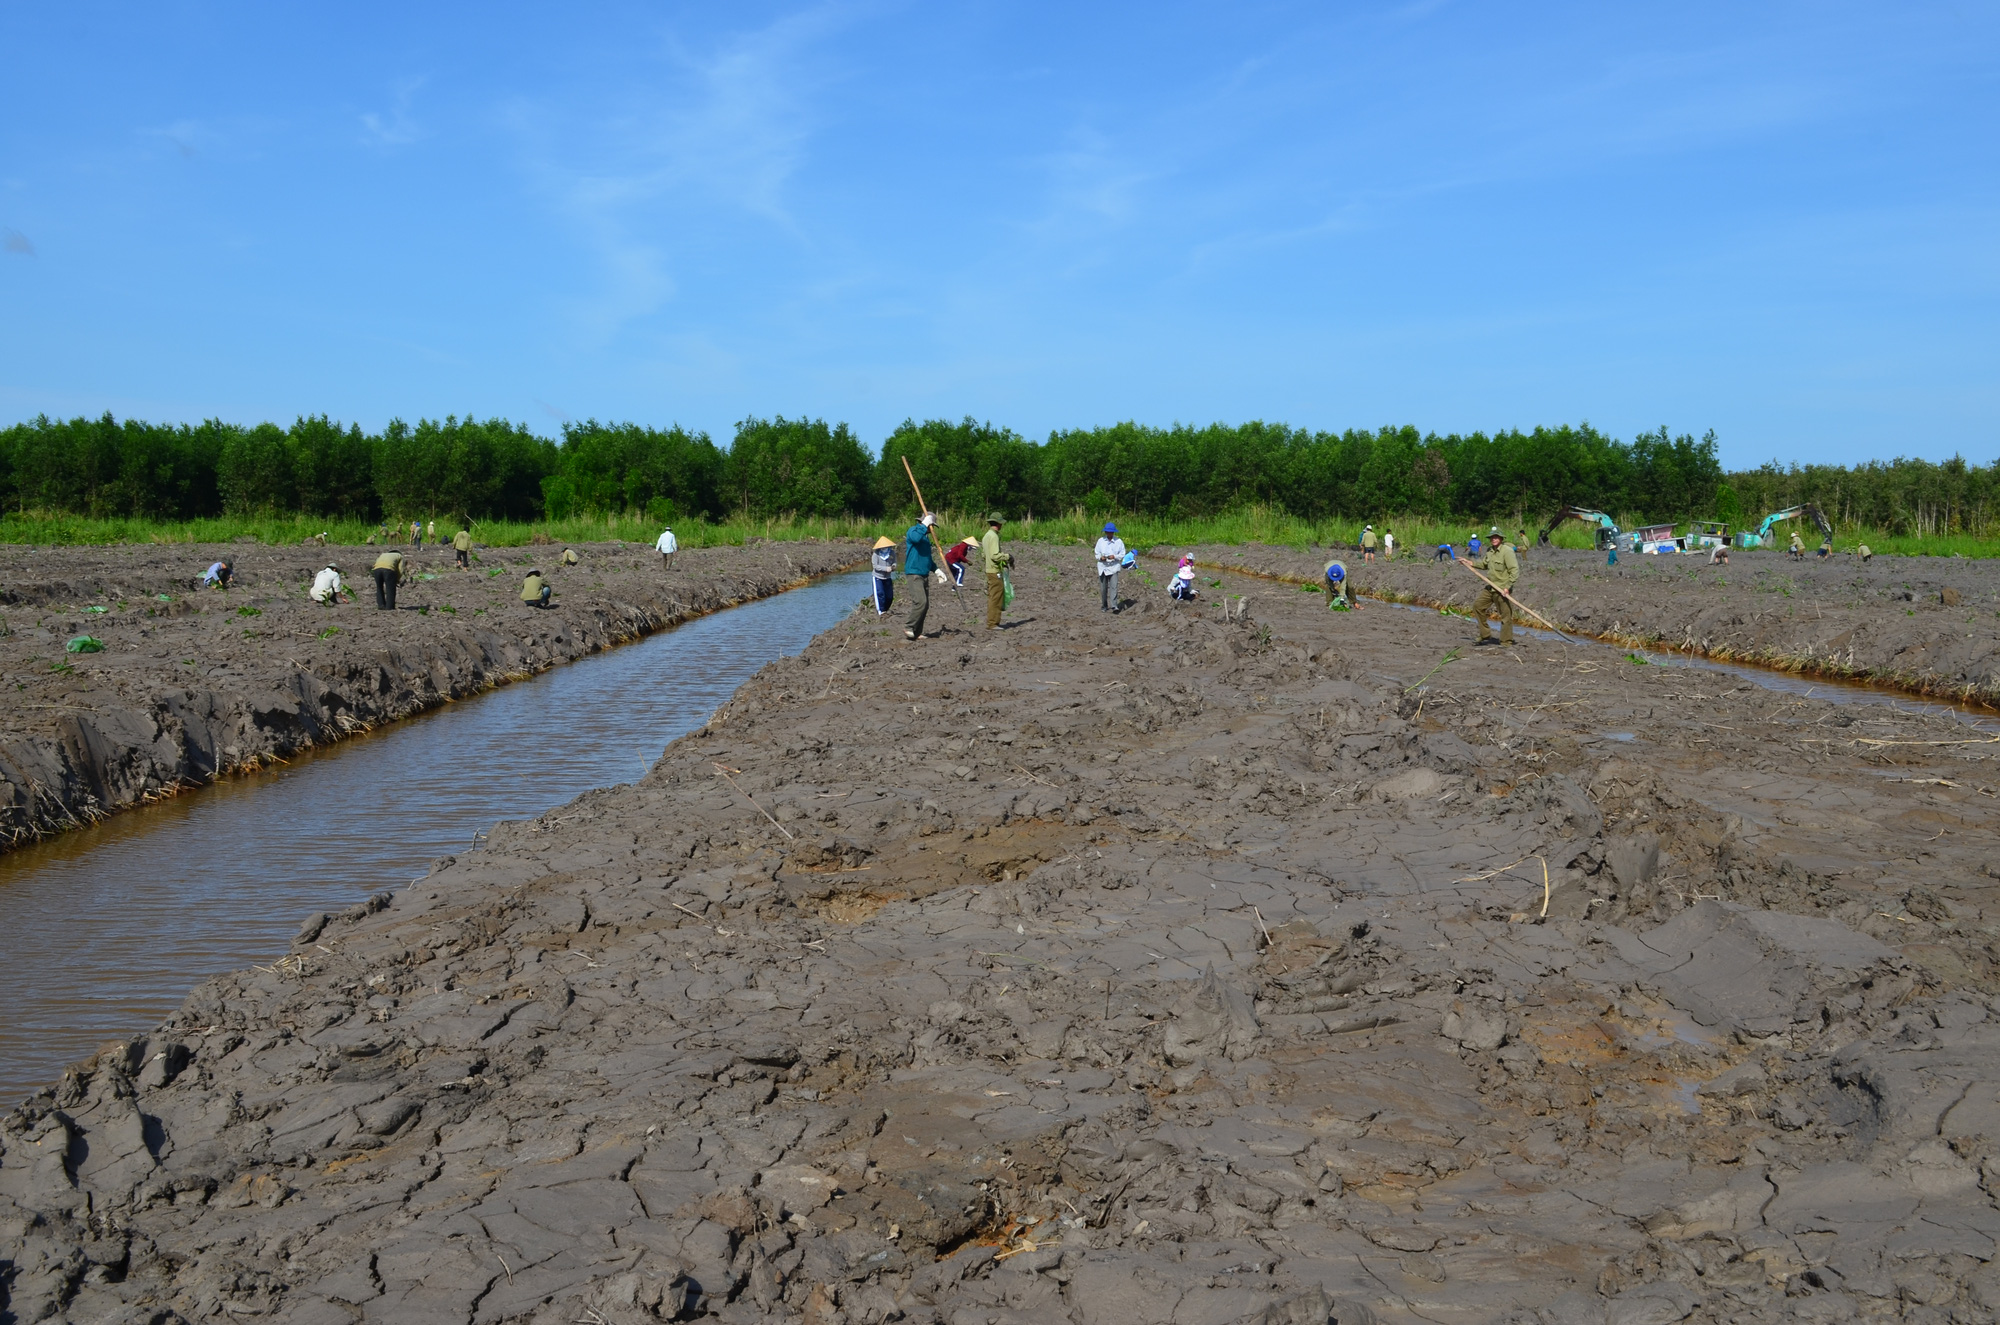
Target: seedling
{"x": 97, "y": 609}
{"x": 1637, "y": 661}
{"x": 328, "y": 633}
{"x": 61, "y": 667}
{"x": 247, "y": 610}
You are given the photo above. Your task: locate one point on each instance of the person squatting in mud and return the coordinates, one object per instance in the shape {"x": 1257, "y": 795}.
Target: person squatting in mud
{"x": 536, "y": 590}
{"x": 1110, "y": 552}
{"x": 1339, "y": 591}
{"x": 1504, "y": 569}
{"x": 956, "y": 556}
{"x": 219, "y": 575}
{"x": 327, "y": 588}
{"x": 919, "y": 560}
{"x": 388, "y": 573}
{"x": 1181, "y": 587}
{"x": 995, "y": 564}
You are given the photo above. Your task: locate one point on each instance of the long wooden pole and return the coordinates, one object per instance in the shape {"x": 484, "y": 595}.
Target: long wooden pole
{"x": 923, "y": 506}
{"x": 1516, "y": 602}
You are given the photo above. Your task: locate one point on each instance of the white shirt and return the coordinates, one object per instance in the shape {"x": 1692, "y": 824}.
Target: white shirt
{"x": 1389, "y": 544}
{"x": 1110, "y": 552}
{"x": 668, "y": 543}
{"x": 325, "y": 585}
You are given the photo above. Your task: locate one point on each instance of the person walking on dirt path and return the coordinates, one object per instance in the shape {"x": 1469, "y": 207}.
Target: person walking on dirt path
{"x": 220, "y": 574}
{"x": 1110, "y": 551}
{"x": 882, "y": 560}
{"x": 388, "y": 574}
{"x": 431, "y": 532}
{"x": 1504, "y": 569}
{"x": 1798, "y": 547}
{"x": 1368, "y": 542}
{"x": 994, "y": 562}
{"x": 536, "y": 590}
{"x": 666, "y": 545}
{"x": 919, "y": 560}
{"x": 956, "y": 556}
{"x": 416, "y": 534}
{"x": 461, "y": 546}
{"x": 1339, "y": 589}
{"x": 327, "y": 588}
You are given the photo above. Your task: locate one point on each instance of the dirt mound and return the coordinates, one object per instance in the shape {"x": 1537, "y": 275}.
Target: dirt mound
{"x": 1146, "y": 968}
{"x": 192, "y": 685}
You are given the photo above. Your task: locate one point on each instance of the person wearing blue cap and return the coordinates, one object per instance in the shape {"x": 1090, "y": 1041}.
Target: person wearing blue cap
{"x": 1339, "y": 590}
{"x": 1110, "y": 558}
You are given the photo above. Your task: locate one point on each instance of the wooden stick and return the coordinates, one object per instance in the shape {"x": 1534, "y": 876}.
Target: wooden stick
{"x": 923, "y": 506}
{"x": 1516, "y": 602}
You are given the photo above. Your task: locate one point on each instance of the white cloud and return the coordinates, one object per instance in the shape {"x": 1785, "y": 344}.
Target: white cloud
{"x": 396, "y": 128}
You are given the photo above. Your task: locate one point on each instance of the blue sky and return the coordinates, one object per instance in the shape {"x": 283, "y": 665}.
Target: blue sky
{"x": 1778, "y": 221}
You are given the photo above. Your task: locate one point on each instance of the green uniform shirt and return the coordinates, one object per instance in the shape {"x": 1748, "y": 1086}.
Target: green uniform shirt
{"x": 462, "y": 540}
{"x": 1368, "y": 540}
{"x": 390, "y": 561}
{"x": 1501, "y": 565}
{"x": 990, "y": 547}
{"x": 531, "y": 589}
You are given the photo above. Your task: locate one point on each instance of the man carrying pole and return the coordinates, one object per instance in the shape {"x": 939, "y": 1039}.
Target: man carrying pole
{"x": 919, "y": 560}
{"x": 1498, "y": 594}
{"x": 1503, "y": 570}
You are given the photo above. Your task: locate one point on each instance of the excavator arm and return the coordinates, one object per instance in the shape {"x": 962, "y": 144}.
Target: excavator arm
{"x": 1803, "y": 511}
{"x": 1607, "y": 528}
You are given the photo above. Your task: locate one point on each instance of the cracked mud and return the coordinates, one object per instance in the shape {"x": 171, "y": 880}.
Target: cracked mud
{"x": 1134, "y": 969}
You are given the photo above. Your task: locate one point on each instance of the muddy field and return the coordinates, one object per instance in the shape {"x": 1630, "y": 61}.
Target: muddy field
{"x": 194, "y": 684}
{"x": 1930, "y": 625}
{"x": 1137, "y": 969}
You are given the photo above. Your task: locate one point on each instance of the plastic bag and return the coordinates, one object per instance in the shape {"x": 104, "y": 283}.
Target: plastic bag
{"x": 84, "y": 644}
{"x": 1006, "y": 589}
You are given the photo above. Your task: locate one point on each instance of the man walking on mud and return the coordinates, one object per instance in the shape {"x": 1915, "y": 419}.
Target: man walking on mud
{"x": 461, "y": 544}
{"x": 919, "y": 560}
{"x": 1504, "y": 569}
{"x": 994, "y": 563}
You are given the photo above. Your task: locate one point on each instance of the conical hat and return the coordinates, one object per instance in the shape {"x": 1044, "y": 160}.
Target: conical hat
{"x": 883, "y": 542}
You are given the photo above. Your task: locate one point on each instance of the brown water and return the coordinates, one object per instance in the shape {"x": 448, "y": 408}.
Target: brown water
{"x": 103, "y": 931}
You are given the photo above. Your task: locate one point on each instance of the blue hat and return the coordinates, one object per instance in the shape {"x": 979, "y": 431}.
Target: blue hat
{"x": 1336, "y": 573}
{"x": 1110, "y": 528}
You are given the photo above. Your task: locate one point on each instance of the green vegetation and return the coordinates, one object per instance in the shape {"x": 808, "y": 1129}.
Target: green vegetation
{"x": 102, "y": 480}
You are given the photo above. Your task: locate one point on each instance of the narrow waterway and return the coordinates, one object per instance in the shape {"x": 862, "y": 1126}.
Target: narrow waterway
{"x": 104, "y": 930}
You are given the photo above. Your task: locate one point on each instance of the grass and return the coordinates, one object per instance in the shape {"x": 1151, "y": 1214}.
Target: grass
{"x": 1254, "y": 524}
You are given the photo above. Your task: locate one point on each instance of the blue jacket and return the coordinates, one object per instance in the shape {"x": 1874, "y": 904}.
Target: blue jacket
{"x": 919, "y": 558}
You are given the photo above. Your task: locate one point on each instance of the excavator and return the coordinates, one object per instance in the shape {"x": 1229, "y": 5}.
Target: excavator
{"x": 1607, "y": 528}
{"x": 1762, "y": 538}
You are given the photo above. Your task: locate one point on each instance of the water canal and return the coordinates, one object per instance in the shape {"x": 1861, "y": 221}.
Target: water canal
{"x": 104, "y": 930}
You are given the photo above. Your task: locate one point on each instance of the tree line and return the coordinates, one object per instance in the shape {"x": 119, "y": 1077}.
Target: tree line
{"x": 494, "y": 469}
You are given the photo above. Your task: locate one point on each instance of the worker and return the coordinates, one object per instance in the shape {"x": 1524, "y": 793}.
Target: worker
{"x": 667, "y": 545}
{"x": 883, "y": 561}
{"x": 1388, "y": 545}
{"x": 535, "y": 590}
{"x": 1502, "y": 567}
{"x": 1444, "y": 552}
{"x": 327, "y": 588}
{"x": 219, "y": 574}
{"x": 1110, "y": 553}
{"x": 1181, "y": 587}
{"x": 1825, "y": 548}
{"x": 1472, "y": 546}
{"x": 1339, "y": 589}
{"x": 1368, "y": 542}
{"x": 388, "y": 574}
{"x": 416, "y": 534}
{"x": 1719, "y": 555}
{"x": 1864, "y": 552}
{"x": 381, "y": 533}
{"x": 994, "y": 562}
{"x": 461, "y": 545}
{"x": 569, "y": 557}
{"x": 956, "y": 556}
{"x": 431, "y": 531}
{"x": 919, "y": 560}
{"x": 1798, "y": 547}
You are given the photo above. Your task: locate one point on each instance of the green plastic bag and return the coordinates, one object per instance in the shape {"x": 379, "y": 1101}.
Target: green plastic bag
{"x": 84, "y": 644}
{"x": 1006, "y": 589}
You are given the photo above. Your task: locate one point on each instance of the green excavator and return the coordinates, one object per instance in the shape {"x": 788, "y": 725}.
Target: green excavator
{"x": 1607, "y": 528}
{"x": 1804, "y": 510}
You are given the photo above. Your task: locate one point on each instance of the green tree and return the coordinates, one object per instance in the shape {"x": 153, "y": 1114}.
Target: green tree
{"x": 797, "y": 466}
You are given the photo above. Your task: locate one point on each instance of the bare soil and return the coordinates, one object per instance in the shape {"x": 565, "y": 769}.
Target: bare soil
{"x": 1929, "y": 625}
{"x": 192, "y": 685}
{"x": 1110, "y": 969}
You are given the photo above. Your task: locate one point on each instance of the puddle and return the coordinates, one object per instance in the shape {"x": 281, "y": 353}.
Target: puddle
{"x": 1619, "y": 736}
{"x": 104, "y": 929}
